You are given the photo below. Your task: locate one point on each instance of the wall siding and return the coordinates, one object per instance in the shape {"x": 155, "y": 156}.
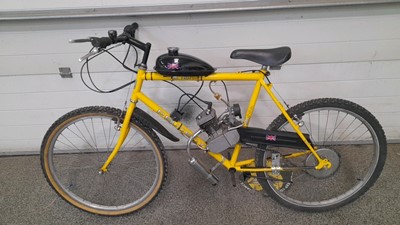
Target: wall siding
{"x": 350, "y": 53}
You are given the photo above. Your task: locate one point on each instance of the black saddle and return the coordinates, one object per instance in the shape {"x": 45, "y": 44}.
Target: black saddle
{"x": 266, "y": 57}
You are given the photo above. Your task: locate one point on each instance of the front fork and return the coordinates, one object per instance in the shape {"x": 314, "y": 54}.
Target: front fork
{"x": 125, "y": 125}
{"x": 123, "y": 134}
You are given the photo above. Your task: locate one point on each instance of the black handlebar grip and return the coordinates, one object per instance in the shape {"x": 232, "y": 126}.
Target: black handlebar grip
{"x": 135, "y": 25}
{"x": 102, "y": 42}
{"x": 130, "y": 29}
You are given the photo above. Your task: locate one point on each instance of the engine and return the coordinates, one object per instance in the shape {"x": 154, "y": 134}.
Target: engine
{"x": 222, "y": 130}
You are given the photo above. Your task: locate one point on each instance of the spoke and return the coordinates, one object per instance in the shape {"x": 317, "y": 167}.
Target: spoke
{"x": 352, "y": 132}
{"x": 80, "y": 168}
{"x": 71, "y": 147}
{"x": 136, "y": 179}
{"x": 84, "y": 140}
{"x": 141, "y": 161}
{"x": 88, "y": 132}
{"x": 105, "y": 136}
{"x": 326, "y": 127}
{"x": 309, "y": 131}
{"x": 346, "y": 128}
{"x": 127, "y": 142}
{"x": 145, "y": 171}
{"x": 115, "y": 134}
{"x": 94, "y": 134}
{"x": 338, "y": 125}
{"x": 318, "y": 123}
{"x": 334, "y": 127}
{"x": 74, "y": 146}
{"x": 139, "y": 141}
{"x": 362, "y": 134}
{"x": 297, "y": 177}
{"x": 109, "y": 135}
{"x": 309, "y": 121}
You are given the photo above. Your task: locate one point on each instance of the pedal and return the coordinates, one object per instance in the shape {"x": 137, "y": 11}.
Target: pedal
{"x": 246, "y": 186}
{"x": 249, "y": 181}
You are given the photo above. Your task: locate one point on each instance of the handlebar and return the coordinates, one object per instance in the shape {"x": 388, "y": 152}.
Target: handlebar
{"x": 128, "y": 36}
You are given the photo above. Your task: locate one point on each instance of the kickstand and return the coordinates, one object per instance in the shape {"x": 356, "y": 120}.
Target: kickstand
{"x": 232, "y": 172}
{"x": 233, "y": 178}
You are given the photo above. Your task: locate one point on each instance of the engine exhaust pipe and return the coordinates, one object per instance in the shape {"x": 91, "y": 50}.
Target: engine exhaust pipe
{"x": 199, "y": 166}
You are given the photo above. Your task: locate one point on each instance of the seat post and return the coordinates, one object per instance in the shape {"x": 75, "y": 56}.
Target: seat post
{"x": 266, "y": 68}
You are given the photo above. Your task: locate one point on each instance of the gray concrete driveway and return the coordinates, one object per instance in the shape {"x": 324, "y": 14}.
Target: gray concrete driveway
{"x": 26, "y": 198}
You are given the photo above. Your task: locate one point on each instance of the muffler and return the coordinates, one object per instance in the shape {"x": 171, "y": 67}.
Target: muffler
{"x": 199, "y": 166}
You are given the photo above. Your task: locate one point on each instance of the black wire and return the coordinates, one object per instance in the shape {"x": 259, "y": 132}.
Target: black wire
{"x": 126, "y": 55}
{"x": 175, "y": 85}
{"x": 123, "y": 65}
{"x": 98, "y": 90}
{"x": 201, "y": 86}
{"x": 266, "y": 76}
{"x": 184, "y": 93}
{"x": 188, "y": 94}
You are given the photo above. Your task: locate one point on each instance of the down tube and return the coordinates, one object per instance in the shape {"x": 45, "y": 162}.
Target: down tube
{"x": 185, "y": 131}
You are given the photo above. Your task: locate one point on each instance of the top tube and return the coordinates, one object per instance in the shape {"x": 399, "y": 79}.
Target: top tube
{"x": 235, "y": 76}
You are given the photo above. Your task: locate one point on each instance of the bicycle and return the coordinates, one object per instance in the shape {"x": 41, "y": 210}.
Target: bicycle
{"x": 316, "y": 156}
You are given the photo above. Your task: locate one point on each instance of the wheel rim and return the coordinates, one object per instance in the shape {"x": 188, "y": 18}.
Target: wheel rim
{"x": 353, "y": 138}
{"x": 79, "y": 149}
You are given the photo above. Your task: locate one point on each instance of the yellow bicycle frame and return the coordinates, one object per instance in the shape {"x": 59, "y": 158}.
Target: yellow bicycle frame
{"x": 233, "y": 163}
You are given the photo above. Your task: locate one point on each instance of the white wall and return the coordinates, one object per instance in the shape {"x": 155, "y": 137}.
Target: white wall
{"x": 344, "y": 52}
{"x": 51, "y": 4}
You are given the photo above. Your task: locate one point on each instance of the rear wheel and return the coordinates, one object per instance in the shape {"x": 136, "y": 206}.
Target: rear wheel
{"x": 346, "y": 134}
{"x": 79, "y": 143}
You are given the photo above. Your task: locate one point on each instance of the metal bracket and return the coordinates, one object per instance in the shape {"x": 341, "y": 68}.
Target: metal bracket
{"x": 276, "y": 163}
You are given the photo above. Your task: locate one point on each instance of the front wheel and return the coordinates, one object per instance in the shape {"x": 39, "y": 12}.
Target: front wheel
{"x": 347, "y": 135}
{"x": 78, "y": 144}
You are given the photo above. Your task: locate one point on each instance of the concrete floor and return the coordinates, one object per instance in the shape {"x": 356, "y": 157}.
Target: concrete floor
{"x": 26, "y": 198}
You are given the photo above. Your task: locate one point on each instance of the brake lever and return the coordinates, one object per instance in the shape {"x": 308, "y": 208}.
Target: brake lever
{"x": 93, "y": 52}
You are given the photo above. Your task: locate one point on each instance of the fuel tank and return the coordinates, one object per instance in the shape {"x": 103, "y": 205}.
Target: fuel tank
{"x": 176, "y": 64}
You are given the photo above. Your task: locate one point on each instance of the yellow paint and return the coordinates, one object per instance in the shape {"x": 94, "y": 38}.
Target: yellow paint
{"x": 235, "y": 154}
{"x": 212, "y": 77}
{"x": 252, "y": 104}
{"x": 126, "y": 122}
{"x": 297, "y": 154}
{"x": 321, "y": 162}
{"x": 241, "y": 166}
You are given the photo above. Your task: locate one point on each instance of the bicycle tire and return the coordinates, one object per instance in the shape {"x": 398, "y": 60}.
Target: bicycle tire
{"x": 77, "y": 145}
{"x": 353, "y": 171}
